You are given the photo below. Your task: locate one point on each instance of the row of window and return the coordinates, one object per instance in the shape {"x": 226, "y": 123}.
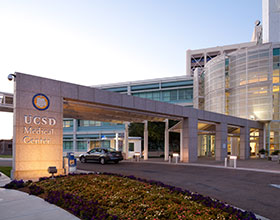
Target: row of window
{"x": 82, "y": 145}
{"x": 168, "y": 95}
{"x": 87, "y": 123}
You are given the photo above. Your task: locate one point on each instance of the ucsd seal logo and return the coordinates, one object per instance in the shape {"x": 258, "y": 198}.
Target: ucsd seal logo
{"x": 41, "y": 102}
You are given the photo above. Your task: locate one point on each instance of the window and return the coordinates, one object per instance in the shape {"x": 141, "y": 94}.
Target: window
{"x": 185, "y": 94}
{"x": 88, "y": 123}
{"x": 67, "y": 145}
{"x": 68, "y": 124}
{"x": 276, "y": 51}
{"x": 173, "y": 95}
{"x": 156, "y": 96}
{"x": 81, "y": 145}
{"x": 131, "y": 146}
{"x": 166, "y": 96}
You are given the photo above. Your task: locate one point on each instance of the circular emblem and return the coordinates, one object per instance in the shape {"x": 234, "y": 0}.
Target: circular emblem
{"x": 40, "y": 101}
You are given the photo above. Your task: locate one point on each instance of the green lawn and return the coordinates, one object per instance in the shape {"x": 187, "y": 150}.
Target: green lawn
{"x": 6, "y": 170}
{"x": 5, "y": 156}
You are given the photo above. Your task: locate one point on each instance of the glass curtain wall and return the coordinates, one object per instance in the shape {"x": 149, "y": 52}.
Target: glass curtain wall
{"x": 250, "y": 91}
{"x": 215, "y": 97}
{"x": 245, "y": 84}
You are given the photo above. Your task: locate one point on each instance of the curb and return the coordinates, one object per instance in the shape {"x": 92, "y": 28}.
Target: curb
{"x": 4, "y": 179}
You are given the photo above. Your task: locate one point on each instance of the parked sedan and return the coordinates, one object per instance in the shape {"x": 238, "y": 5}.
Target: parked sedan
{"x": 101, "y": 155}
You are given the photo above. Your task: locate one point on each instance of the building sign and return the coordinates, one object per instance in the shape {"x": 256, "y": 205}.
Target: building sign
{"x": 41, "y": 102}
{"x": 38, "y": 129}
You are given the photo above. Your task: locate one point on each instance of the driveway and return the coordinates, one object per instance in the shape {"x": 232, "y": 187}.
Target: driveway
{"x": 244, "y": 189}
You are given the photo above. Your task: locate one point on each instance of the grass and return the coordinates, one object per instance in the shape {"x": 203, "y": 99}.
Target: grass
{"x": 6, "y": 156}
{"x": 111, "y": 196}
{"x": 6, "y": 170}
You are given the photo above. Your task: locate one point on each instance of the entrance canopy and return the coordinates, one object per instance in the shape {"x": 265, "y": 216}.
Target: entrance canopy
{"x": 207, "y": 128}
{"x": 99, "y": 112}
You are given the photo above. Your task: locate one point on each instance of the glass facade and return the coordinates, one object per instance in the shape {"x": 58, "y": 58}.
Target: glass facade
{"x": 245, "y": 84}
{"x": 215, "y": 85}
{"x": 250, "y": 91}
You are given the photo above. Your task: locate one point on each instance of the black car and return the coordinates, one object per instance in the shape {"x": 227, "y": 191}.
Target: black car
{"x": 101, "y": 155}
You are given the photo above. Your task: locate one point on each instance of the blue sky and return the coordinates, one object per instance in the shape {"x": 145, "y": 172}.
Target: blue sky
{"x": 92, "y": 42}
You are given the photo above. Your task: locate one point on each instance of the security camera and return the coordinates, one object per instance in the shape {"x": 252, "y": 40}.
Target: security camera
{"x": 11, "y": 77}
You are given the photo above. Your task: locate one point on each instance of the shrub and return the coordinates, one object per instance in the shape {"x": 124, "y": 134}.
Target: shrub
{"x": 262, "y": 151}
{"x": 35, "y": 190}
{"x": 276, "y": 152}
{"x": 15, "y": 184}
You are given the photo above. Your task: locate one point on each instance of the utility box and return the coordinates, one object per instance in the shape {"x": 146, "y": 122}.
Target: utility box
{"x": 70, "y": 163}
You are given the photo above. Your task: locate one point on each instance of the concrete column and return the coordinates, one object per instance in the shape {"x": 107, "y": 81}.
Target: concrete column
{"x": 125, "y": 141}
{"x": 221, "y": 141}
{"x": 181, "y": 145}
{"x": 261, "y": 139}
{"x": 189, "y": 140}
{"x": 188, "y": 63}
{"x": 117, "y": 141}
{"x": 276, "y": 140}
{"x": 146, "y": 140}
{"x": 166, "y": 141}
{"x": 234, "y": 146}
{"x": 244, "y": 143}
{"x": 75, "y": 135}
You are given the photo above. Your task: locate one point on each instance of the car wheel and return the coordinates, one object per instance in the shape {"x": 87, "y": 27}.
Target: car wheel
{"x": 116, "y": 161}
{"x": 102, "y": 160}
{"x": 83, "y": 160}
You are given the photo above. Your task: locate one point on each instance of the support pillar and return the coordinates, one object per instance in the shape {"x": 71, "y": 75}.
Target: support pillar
{"x": 221, "y": 141}
{"x": 125, "y": 144}
{"x": 145, "y": 140}
{"x": 234, "y": 146}
{"x": 244, "y": 143}
{"x": 75, "y": 135}
{"x": 261, "y": 139}
{"x": 189, "y": 140}
{"x": 117, "y": 141}
{"x": 166, "y": 141}
{"x": 181, "y": 145}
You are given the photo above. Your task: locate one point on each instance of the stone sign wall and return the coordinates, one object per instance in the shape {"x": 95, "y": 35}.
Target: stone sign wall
{"x": 38, "y": 134}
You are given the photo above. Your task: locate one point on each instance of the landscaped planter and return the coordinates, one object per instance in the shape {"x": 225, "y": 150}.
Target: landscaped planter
{"x": 112, "y": 196}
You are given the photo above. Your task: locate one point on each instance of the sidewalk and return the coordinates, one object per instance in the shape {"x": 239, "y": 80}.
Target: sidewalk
{"x": 17, "y": 205}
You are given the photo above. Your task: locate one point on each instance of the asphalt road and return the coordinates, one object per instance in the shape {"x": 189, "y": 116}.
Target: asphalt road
{"x": 244, "y": 189}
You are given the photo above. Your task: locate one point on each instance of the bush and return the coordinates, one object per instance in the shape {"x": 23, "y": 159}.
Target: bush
{"x": 276, "y": 152}
{"x": 262, "y": 151}
{"x": 35, "y": 190}
{"x": 15, "y": 184}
